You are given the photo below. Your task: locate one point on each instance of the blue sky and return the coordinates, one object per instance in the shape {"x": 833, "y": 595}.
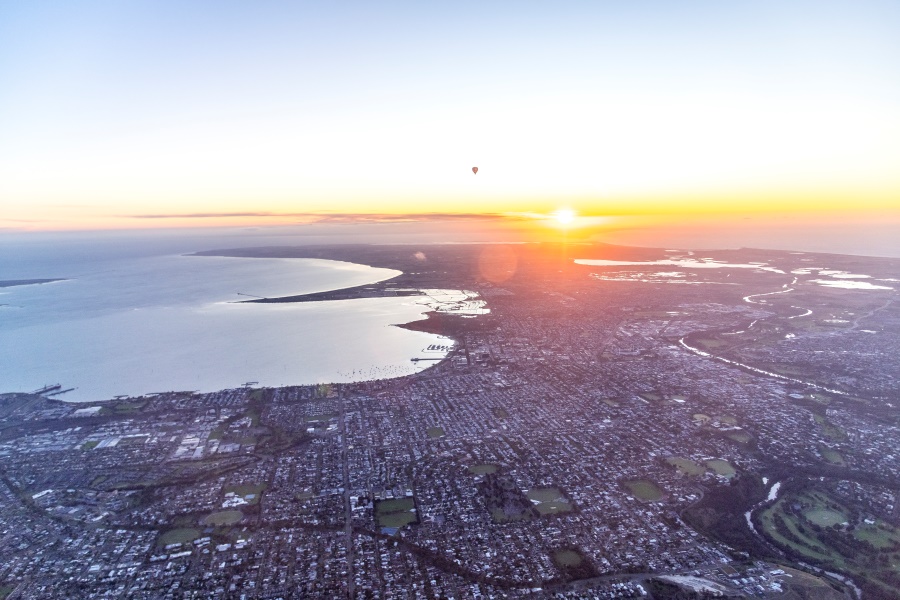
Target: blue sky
{"x": 108, "y": 108}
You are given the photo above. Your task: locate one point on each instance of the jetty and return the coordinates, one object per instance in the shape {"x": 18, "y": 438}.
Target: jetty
{"x": 46, "y": 388}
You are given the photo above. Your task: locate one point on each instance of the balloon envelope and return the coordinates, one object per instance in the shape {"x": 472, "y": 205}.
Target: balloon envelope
{"x": 475, "y": 170}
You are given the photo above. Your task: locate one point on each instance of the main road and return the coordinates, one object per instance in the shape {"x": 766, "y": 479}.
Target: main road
{"x": 348, "y": 510}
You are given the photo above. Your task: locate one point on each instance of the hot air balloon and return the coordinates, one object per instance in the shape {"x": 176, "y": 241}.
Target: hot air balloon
{"x": 475, "y": 170}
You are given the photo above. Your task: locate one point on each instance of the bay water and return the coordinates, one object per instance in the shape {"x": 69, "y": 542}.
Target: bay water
{"x": 135, "y": 318}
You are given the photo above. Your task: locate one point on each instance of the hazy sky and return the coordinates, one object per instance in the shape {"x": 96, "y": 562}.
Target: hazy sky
{"x": 113, "y": 112}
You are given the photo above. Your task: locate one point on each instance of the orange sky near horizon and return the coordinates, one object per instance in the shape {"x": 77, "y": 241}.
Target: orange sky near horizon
{"x": 809, "y": 209}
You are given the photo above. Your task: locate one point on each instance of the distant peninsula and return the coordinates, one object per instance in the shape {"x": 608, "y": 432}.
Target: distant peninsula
{"x": 17, "y": 282}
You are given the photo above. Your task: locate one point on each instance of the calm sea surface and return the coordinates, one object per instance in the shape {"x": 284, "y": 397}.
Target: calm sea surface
{"x": 133, "y": 318}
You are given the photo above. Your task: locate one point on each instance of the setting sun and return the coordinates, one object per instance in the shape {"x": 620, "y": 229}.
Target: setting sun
{"x": 564, "y": 216}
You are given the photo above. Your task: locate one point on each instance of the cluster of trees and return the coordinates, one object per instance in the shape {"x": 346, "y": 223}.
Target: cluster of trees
{"x": 721, "y": 514}
{"x": 501, "y": 493}
{"x": 583, "y": 570}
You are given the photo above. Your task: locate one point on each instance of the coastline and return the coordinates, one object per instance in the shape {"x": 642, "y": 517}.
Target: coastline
{"x": 417, "y": 271}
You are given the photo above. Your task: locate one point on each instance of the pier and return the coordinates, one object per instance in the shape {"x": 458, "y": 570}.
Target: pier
{"x": 46, "y": 388}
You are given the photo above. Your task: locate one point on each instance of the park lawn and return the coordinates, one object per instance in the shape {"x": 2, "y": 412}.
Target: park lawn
{"x": 223, "y": 518}
{"x": 395, "y": 512}
{"x": 643, "y": 489}
{"x": 830, "y": 430}
{"x": 130, "y": 407}
{"x": 548, "y": 494}
{"x": 320, "y": 418}
{"x": 881, "y": 535}
{"x": 685, "y": 466}
{"x": 217, "y": 433}
{"x": 709, "y": 343}
{"x": 249, "y": 492}
{"x": 553, "y": 508}
{"x": 768, "y": 519}
{"x": 833, "y": 456}
{"x": 398, "y": 519}
{"x": 741, "y": 437}
{"x": 788, "y": 370}
{"x": 567, "y": 558}
{"x": 825, "y": 400}
{"x": 824, "y": 517}
{"x": 499, "y": 515}
{"x": 394, "y": 505}
{"x": 484, "y": 469}
{"x": 435, "y": 432}
{"x": 182, "y": 535}
{"x": 721, "y": 467}
{"x": 820, "y": 510}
